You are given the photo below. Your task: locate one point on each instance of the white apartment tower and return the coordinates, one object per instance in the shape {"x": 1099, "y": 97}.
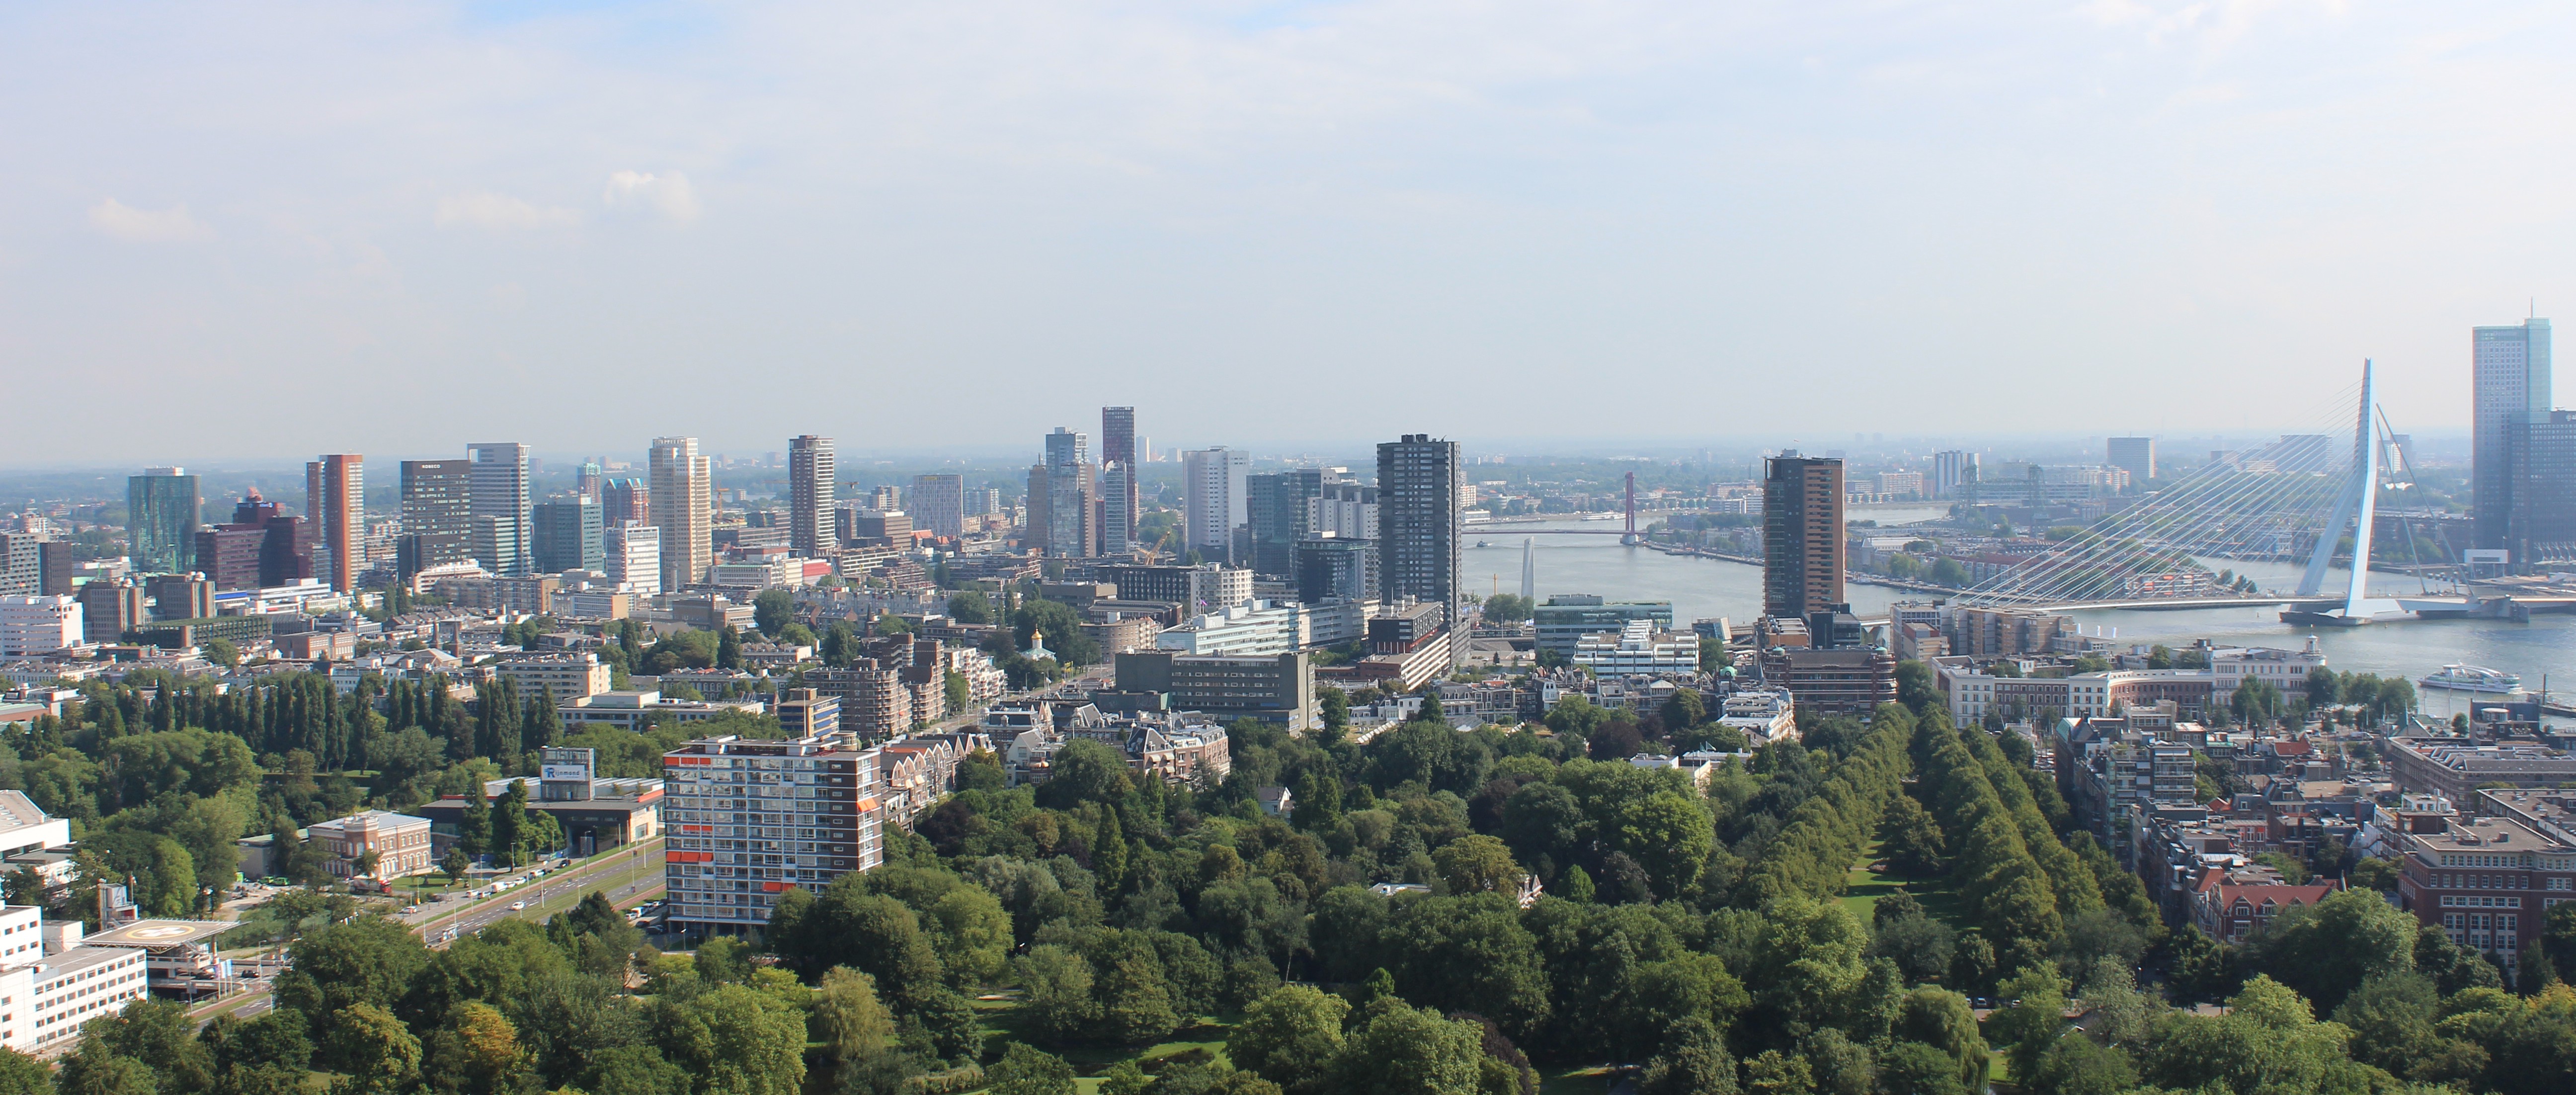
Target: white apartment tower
{"x": 811, "y": 528}
{"x": 1214, "y": 499}
{"x": 683, "y": 508}
{"x": 499, "y": 507}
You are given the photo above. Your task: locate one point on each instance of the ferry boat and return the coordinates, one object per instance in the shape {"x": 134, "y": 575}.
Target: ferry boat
{"x": 2473, "y": 678}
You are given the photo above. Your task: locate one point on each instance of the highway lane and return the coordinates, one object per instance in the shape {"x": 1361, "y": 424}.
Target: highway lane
{"x": 627, "y": 876}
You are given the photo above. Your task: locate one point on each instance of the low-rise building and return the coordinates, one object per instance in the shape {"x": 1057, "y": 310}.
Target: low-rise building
{"x": 2485, "y": 881}
{"x": 374, "y": 845}
{"x": 1853, "y": 681}
{"x": 1638, "y": 648}
{"x": 2455, "y": 769}
{"x": 2287, "y": 670}
{"x": 1278, "y": 689}
{"x": 571, "y": 674}
{"x": 37, "y": 625}
{"x": 639, "y": 710}
{"x": 1762, "y": 715}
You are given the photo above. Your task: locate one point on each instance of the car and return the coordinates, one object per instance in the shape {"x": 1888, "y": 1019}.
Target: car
{"x": 518, "y": 905}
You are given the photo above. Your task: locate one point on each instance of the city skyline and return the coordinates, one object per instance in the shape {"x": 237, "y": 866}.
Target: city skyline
{"x": 1514, "y": 202}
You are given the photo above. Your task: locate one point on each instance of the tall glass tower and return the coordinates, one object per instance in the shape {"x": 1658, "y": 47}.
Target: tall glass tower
{"x": 2510, "y": 371}
{"x": 161, "y": 521}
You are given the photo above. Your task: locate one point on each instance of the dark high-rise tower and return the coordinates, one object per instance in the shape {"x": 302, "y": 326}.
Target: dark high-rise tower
{"x": 810, "y": 473}
{"x": 1417, "y": 519}
{"x": 1118, "y": 490}
{"x": 1802, "y": 535}
{"x": 437, "y": 514}
{"x": 1276, "y": 508}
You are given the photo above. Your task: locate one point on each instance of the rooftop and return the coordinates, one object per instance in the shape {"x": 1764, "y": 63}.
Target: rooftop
{"x": 160, "y": 933}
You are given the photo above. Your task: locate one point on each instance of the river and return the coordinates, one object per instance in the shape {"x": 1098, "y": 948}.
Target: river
{"x": 1703, "y": 588}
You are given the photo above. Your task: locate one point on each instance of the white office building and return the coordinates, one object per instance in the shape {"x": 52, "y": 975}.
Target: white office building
{"x": 1638, "y": 648}
{"x": 1214, "y": 499}
{"x": 36, "y": 626}
{"x": 1250, "y": 629}
{"x": 634, "y": 557}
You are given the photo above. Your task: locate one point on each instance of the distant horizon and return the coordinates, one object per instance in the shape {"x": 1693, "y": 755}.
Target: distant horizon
{"x": 252, "y": 230}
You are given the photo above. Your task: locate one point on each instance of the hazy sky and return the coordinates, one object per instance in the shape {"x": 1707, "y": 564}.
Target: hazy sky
{"x": 251, "y": 229}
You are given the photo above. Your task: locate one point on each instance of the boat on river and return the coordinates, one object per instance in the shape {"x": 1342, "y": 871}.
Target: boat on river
{"x": 2473, "y": 678}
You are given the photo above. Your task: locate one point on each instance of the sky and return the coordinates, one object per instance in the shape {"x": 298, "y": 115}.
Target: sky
{"x": 261, "y": 230}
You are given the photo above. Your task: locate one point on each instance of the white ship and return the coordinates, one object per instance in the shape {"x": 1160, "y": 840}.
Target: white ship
{"x": 2473, "y": 678}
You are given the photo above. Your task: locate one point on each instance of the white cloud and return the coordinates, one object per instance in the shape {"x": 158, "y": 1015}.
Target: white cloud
{"x": 667, "y": 194}
{"x": 125, "y": 222}
{"x": 487, "y": 210}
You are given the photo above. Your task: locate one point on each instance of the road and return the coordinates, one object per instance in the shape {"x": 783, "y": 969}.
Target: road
{"x": 628, "y": 876}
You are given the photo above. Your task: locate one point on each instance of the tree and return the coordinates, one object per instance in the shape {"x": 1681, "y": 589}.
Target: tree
{"x": 2027, "y": 1028}
{"x": 1399, "y": 1049}
{"x": 377, "y": 1053}
{"x": 1912, "y": 839}
{"x": 1942, "y": 1019}
{"x": 96, "y": 1070}
{"x": 1507, "y": 608}
{"x": 1671, "y": 836}
{"x": 970, "y": 607}
{"x": 24, "y": 1075}
{"x": 1694, "y": 1062}
{"x": 221, "y": 652}
{"x": 772, "y": 610}
{"x": 2080, "y": 1066}
{"x": 1477, "y": 864}
{"x": 1024, "y": 1070}
{"x": 847, "y": 1017}
{"x": 1057, "y": 984}
{"x": 476, "y": 1052}
{"x": 2326, "y": 950}
{"x": 1915, "y": 687}
{"x": 1290, "y": 1036}
{"x": 455, "y": 864}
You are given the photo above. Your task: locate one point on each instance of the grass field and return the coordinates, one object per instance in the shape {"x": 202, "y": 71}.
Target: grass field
{"x": 1205, "y": 1034}
{"x": 1865, "y": 887}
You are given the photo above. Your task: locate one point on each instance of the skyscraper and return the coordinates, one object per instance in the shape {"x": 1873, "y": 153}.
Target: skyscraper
{"x": 161, "y": 521}
{"x": 2510, "y": 371}
{"x": 623, "y": 500}
{"x": 437, "y": 515}
{"x": 586, "y": 481}
{"x": 567, "y": 535}
{"x": 335, "y": 498}
{"x": 1119, "y": 508}
{"x": 1276, "y": 505}
{"x": 1118, "y": 435}
{"x": 939, "y": 504}
{"x": 683, "y": 508}
{"x": 811, "y": 528}
{"x": 2135, "y": 455}
{"x": 1214, "y": 499}
{"x": 1417, "y": 520}
{"x": 1952, "y": 469}
{"x": 2542, "y": 528}
{"x": 500, "y": 507}
{"x": 262, "y": 546}
{"x": 1802, "y": 535}
{"x": 1066, "y": 480}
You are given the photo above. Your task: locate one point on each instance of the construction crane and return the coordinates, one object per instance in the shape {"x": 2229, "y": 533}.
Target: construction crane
{"x": 1155, "y": 553}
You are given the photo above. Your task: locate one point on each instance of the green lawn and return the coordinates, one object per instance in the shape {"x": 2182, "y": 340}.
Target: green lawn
{"x": 1940, "y": 900}
{"x": 1582, "y": 1080}
{"x": 1206, "y": 1033}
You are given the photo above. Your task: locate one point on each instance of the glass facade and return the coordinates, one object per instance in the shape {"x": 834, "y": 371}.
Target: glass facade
{"x": 161, "y": 521}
